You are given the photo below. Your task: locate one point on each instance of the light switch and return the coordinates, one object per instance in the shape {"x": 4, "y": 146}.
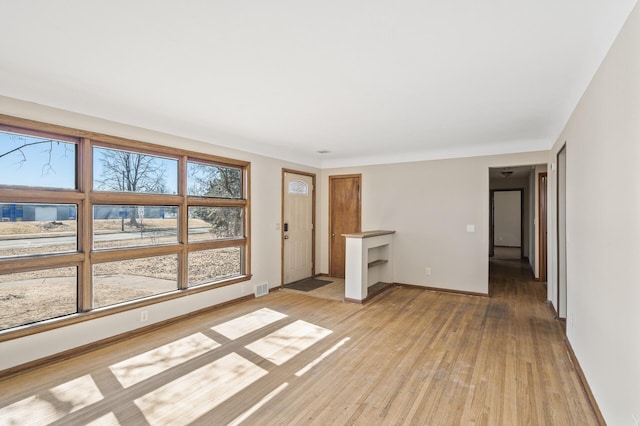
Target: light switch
{"x": 471, "y": 228}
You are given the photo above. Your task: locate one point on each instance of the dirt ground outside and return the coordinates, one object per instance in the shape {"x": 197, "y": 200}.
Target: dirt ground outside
{"x": 60, "y": 236}
{"x": 39, "y": 295}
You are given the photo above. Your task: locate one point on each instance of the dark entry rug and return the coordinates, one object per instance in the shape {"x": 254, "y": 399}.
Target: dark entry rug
{"x": 307, "y": 284}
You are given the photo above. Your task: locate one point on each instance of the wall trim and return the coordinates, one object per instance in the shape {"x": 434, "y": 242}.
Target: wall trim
{"x": 549, "y": 303}
{"x": 377, "y": 291}
{"x": 444, "y": 290}
{"x": 576, "y": 365}
{"x": 583, "y": 381}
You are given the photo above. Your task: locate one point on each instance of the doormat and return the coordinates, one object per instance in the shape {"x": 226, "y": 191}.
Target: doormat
{"x": 307, "y": 284}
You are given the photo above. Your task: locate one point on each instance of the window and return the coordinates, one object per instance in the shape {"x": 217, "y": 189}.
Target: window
{"x": 125, "y": 280}
{"x": 208, "y": 180}
{"x": 213, "y": 223}
{"x": 208, "y": 266}
{"x": 37, "y": 161}
{"x": 134, "y": 226}
{"x": 91, "y": 222}
{"x": 29, "y": 297}
{"x": 125, "y": 171}
{"x": 298, "y": 187}
{"x": 31, "y": 229}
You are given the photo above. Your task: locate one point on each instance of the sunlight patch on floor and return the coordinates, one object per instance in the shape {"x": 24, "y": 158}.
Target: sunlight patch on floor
{"x": 52, "y": 404}
{"x": 246, "y": 324}
{"x": 185, "y": 399}
{"x": 141, "y": 367}
{"x": 322, "y": 357}
{"x": 268, "y": 397}
{"x": 282, "y": 345}
{"x": 191, "y": 396}
{"x": 108, "y": 419}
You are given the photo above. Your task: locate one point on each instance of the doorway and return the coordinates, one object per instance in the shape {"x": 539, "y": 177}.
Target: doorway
{"x": 542, "y": 227}
{"x": 344, "y": 218}
{"x": 506, "y": 220}
{"x": 298, "y": 224}
{"x": 562, "y": 231}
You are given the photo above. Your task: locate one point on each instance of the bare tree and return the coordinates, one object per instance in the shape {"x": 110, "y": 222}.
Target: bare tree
{"x": 24, "y": 143}
{"x": 131, "y": 172}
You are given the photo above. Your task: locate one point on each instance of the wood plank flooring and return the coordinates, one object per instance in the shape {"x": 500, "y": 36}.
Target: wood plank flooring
{"x": 408, "y": 357}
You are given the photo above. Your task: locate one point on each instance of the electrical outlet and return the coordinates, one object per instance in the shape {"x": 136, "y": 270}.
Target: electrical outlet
{"x": 243, "y": 288}
{"x": 427, "y": 271}
{"x": 144, "y": 315}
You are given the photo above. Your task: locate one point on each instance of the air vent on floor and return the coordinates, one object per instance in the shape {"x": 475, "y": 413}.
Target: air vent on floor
{"x": 262, "y": 289}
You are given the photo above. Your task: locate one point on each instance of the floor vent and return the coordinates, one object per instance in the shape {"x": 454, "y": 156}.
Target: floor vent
{"x": 262, "y": 289}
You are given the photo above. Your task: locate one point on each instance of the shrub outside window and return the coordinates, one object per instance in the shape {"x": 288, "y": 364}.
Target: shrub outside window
{"x": 214, "y": 223}
{"x": 208, "y": 180}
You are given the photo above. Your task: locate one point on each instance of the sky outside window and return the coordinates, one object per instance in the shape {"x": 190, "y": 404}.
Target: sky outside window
{"x": 38, "y": 162}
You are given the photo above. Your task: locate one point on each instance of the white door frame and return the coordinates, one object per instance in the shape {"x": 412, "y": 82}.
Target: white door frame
{"x": 561, "y": 227}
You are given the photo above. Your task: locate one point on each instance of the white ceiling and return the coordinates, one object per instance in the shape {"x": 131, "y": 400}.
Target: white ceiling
{"x": 372, "y": 81}
{"x": 520, "y": 172}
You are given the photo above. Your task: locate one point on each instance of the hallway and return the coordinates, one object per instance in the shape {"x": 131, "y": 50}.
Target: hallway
{"x": 510, "y": 276}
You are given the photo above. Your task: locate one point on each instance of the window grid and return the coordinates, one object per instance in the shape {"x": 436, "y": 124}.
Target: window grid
{"x": 86, "y": 198}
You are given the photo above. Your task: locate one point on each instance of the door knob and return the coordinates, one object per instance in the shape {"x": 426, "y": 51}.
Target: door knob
{"x": 333, "y": 235}
{"x": 286, "y": 237}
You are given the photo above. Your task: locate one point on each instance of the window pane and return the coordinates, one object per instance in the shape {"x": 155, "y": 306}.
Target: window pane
{"x": 212, "y": 223}
{"x": 38, "y": 162}
{"x": 298, "y": 187}
{"x": 116, "y": 282}
{"x": 28, "y": 297}
{"x": 134, "y": 226}
{"x": 123, "y": 171}
{"x": 206, "y": 180}
{"x": 28, "y": 229}
{"x": 206, "y": 266}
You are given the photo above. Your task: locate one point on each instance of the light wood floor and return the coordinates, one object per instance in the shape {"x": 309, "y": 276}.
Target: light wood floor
{"x": 408, "y": 357}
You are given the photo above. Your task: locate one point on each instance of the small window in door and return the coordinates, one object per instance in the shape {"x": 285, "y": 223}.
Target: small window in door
{"x": 298, "y": 187}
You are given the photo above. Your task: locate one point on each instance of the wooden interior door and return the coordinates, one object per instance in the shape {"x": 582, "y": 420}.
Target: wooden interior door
{"x": 344, "y": 218}
{"x": 542, "y": 227}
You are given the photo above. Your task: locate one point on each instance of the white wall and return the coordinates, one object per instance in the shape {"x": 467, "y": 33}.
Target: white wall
{"x": 266, "y": 181}
{"x": 603, "y": 229}
{"x": 430, "y": 204}
{"x": 507, "y": 218}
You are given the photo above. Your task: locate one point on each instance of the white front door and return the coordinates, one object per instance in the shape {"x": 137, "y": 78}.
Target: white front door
{"x": 297, "y": 227}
